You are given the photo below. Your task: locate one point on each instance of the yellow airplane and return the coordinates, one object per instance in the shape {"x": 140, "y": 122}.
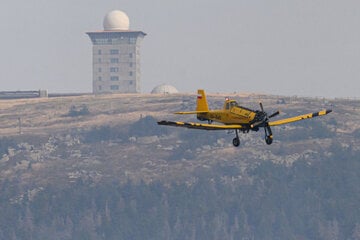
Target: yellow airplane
{"x": 235, "y": 117}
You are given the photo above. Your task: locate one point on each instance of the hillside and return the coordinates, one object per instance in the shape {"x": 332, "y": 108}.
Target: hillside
{"x": 99, "y": 167}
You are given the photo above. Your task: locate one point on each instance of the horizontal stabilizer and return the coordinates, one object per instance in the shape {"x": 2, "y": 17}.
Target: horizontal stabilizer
{"x": 191, "y": 112}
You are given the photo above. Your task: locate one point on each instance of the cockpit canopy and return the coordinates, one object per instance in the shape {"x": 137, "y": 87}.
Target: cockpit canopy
{"x": 229, "y": 104}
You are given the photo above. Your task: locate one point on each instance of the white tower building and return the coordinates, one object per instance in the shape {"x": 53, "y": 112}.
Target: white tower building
{"x": 116, "y": 55}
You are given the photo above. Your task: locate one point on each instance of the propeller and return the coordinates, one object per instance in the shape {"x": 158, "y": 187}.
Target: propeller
{"x": 271, "y": 116}
{"x": 268, "y": 132}
{"x": 266, "y": 117}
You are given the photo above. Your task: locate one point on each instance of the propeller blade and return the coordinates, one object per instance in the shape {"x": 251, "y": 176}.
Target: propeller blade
{"x": 261, "y": 106}
{"x": 274, "y": 114}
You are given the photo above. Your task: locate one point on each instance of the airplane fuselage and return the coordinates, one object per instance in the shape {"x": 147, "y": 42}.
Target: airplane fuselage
{"x": 233, "y": 115}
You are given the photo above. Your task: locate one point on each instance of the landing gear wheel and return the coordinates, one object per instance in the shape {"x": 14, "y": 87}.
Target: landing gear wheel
{"x": 268, "y": 134}
{"x": 236, "y": 142}
{"x": 268, "y": 140}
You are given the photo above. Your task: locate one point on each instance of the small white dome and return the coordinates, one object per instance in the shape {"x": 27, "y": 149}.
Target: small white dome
{"x": 116, "y": 21}
{"x": 164, "y": 89}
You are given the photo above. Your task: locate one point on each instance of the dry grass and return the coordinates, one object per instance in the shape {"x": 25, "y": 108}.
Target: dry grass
{"x": 142, "y": 159}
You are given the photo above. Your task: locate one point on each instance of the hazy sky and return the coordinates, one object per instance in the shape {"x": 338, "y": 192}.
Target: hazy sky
{"x": 286, "y": 47}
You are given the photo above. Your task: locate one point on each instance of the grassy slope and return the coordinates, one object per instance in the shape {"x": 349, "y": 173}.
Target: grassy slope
{"x": 100, "y": 146}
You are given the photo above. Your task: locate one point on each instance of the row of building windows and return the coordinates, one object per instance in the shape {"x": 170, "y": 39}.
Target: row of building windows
{"x": 113, "y": 78}
{"x": 114, "y": 87}
{"x": 115, "y": 70}
{"x": 115, "y": 60}
{"x": 115, "y": 52}
{"x": 121, "y": 40}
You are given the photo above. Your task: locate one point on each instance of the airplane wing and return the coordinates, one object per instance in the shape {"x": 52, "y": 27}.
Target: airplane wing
{"x": 299, "y": 118}
{"x": 200, "y": 125}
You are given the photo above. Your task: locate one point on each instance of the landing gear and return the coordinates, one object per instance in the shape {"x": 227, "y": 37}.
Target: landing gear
{"x": 236, "y": 140}
{"x": 268, "y": 140}
{"x": 268, "y": 135}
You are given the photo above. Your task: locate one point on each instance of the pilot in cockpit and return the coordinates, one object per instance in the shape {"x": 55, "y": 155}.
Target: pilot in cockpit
{"x": 231, "y": 104}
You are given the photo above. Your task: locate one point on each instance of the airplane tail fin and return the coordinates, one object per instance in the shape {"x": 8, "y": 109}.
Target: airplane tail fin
{"x": 202, "y": 105}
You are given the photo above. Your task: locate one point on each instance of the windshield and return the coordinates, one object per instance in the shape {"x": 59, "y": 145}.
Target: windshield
{"x": 231, "y": 104}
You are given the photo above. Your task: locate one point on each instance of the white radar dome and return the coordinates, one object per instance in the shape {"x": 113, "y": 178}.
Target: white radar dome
{"x": 164, "y": 89}
{"x": 116, "y": 21}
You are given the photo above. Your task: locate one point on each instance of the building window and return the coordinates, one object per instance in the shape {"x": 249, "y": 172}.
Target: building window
{"x": 99, "y": 60}
{"x": 114, "y": 51}
{"x": 114, "y": 60}
{"x": 99, "y": 52}
{"x": 99, "y": 69}
{"x": 114, "y": 69}
{"x": 114, "y": 87}
{"x": 132, "y": 40}
{"x": 99, "y": 78}
{"x": 114, "y": 78}
{"x": 100, "y": 88}
{"x": 130, "y": 55}
{"x": 131, "y": 82}
{"x": 101, "y": 41}
{"x": 130, "y": 73}
{"x": 131, "y": 64}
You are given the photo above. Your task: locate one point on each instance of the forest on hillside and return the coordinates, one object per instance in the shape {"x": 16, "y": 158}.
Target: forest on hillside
{"x": 304, "y": 201}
